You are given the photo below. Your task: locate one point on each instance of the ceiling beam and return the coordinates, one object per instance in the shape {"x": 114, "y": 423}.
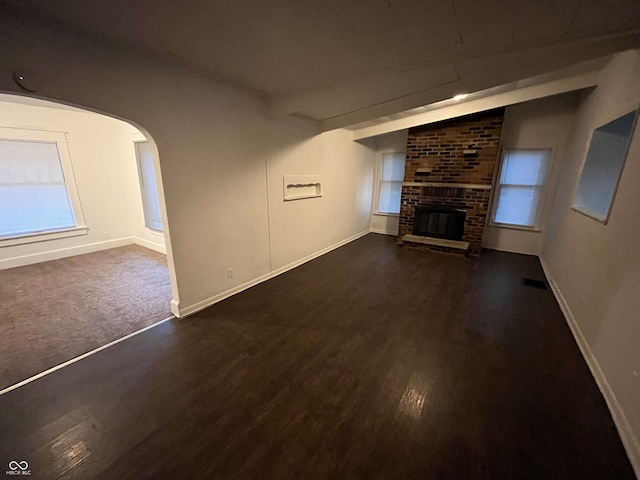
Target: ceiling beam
{"x": 488, "y": 72}
{"x": 555, "y": 87}
{"x": 356, "y": 94}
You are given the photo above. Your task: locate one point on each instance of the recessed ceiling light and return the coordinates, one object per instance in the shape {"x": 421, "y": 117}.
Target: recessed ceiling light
{"x": 461, "y": 96}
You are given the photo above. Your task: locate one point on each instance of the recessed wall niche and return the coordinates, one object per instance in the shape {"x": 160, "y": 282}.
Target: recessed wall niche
{"x": 603, "y": 166}
{"x": 298, "y": 187}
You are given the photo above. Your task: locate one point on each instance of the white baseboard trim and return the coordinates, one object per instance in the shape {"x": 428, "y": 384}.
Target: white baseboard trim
{"x": 629, "y": 440}
{"x": 174, "y": 306}
{"x": 180, "y": 312}
{"x": 519, "y": 252}
{"x": 150, "y": 245}
{"x": 383, "y": 232}
{"x": 63, "y": 253}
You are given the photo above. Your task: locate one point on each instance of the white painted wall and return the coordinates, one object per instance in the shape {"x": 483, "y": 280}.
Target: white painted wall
{"x": 390, "y": 142}
{"x": 299, "y": 228}
{"x": 104, "y": 165}
{"x": 544, "y": 123}
{"x": 215, "y": 143}
{"x": 595, "y": 268}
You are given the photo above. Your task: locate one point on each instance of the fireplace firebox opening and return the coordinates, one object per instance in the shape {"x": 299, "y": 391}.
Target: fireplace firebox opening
{"x": 439, "y": 222}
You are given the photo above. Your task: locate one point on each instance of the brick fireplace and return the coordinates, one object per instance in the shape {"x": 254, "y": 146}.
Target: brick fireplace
{"x": 450, "y": 166}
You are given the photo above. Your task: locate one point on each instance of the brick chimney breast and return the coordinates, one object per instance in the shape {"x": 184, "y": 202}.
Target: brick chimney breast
{"x": 452, "y": 163}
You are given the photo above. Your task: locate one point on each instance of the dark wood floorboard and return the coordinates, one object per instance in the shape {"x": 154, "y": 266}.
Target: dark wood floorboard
{"x": 371, "y": 362}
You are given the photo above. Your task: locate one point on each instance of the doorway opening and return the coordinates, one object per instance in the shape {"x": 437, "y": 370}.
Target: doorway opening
{"x": 82, "y": 238}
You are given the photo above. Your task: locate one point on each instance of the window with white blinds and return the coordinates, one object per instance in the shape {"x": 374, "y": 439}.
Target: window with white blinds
{"x": 520, "y": 187}
{"x": 148, "y": 186}
{"x": 390, "y": 177}
{"x": 37, "y": 189}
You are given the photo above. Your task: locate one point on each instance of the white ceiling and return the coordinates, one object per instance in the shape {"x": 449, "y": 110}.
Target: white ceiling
{"x": 346, "y": 61}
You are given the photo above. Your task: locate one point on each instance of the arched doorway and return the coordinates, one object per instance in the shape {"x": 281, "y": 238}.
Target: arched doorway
{"x": 83, "y": 245}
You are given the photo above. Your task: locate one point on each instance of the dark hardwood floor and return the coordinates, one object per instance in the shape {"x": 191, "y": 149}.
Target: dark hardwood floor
{"x": 371, "y": 362}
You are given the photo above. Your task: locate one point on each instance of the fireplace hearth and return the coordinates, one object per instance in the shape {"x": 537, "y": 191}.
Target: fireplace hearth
{"x": 439, "y": 222}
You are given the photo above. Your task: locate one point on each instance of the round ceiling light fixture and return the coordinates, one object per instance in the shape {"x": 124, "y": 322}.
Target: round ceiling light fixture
{"x": 26, "y": 80}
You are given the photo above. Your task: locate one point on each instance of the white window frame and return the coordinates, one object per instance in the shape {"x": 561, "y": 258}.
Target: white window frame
{"x": 60, "y": 139}
{"x": 159, "y": 232}
{"x": 543, "y": 191}
{"x": 378, "y": 174}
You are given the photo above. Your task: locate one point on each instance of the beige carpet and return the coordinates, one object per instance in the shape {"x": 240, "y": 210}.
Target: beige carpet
{"x": 54, "y": 311}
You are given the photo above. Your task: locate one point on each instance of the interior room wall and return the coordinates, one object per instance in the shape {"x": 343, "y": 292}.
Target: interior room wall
{"x": 544, "y": 123}
{"x": 390, "y": 142}
{"x": 105, "y": 171}
{"x": 299, "y": 228}
{"x": 595, "y": 268}
{"x": 213, "y": 145}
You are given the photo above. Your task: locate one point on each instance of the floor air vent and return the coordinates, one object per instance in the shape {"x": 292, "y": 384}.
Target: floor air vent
{"x": 530, "y": 282}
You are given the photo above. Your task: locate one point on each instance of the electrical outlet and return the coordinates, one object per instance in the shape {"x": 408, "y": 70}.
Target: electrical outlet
{"x": 229, "y": 272}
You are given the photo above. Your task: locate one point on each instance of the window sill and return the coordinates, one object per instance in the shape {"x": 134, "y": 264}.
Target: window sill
{"x": 516, "y": 227}
{"x": 43, "y": 236}
{"x": 382, "y": 214}
{"x": 598, "y": 217}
